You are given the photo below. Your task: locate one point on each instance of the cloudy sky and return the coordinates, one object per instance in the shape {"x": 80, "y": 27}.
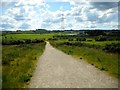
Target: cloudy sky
{"x": 58, "y": 14}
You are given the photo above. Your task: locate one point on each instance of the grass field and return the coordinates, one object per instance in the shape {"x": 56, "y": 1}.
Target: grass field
{"x": 18, "y": 63}
{"x": 27, "y": 36}
{"x": 104, "y": 61}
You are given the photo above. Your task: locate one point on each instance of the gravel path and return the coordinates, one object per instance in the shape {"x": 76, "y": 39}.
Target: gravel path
{"x": 55, "y": 69}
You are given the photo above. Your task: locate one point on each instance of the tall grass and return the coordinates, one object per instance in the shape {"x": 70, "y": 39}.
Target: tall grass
{"x": 18, "y": 63}
{"x": 104, "y": 61}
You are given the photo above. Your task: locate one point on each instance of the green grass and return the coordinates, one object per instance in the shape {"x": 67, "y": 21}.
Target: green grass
{"x": 104, "y": 61}
{"x": 27, "y": 36}
{"x": 18, "y": 64}
{"x": 99, "y": 43}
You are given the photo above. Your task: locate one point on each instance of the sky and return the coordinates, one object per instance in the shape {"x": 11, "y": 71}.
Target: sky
{"x": 59, "y": 14}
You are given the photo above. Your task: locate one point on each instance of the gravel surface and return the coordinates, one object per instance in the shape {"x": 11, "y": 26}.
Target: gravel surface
{"x": 55, "y": 69}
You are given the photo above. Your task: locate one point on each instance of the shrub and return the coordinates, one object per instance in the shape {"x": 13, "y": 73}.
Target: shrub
{"x": 89, "y": 40}
{"x": 53, "y": 39}
{"x": 49, "y": 38}
{"x": 37, "y": 41}
{"x": 71, "y": 39}
{"x": 5, "y": 42}
{"x": 27, "y": 41}
{"x": 18, "y": 42}
{"x": 80, "y": 39}
{"x": 100, "y": 38}
{"x": 114, "y": 47}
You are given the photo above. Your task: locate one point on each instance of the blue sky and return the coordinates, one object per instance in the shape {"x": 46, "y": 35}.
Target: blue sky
{"x": 29, "y": 14}
{"x": 54, "y": 6}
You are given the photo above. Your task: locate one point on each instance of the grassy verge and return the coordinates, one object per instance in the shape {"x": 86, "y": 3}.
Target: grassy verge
{"x": 18, "y": 63}
{"x": 104, "y": 61}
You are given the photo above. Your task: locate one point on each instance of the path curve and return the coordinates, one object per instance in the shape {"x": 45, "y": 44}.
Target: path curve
{"x": 55, "y": 69}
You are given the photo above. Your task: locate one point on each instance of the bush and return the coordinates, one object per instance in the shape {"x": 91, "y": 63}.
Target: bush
{"x": 71, "y": 39}
{"x": 89, "y": 40}
{"x": 72, "y": 43}
{"x": 18, "y": 42}
{"x": 52, "y": 38}
{"x": 80, "y": 39}
{"x": 5, "y": 42}
{"x": 100, "y": 38}
{"x": 27, "y": 41}
{"x": 114, "y": 47}
{"x": 37, "y": 41}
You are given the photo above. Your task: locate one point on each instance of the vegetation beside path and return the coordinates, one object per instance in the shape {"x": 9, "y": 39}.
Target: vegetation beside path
{"x": 105, "y": 61}
{"x": 20, "y": 53}
{"x": 18, "y": 63}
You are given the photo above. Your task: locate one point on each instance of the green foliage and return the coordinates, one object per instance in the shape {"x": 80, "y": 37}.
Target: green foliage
{"x": 24, "y": 41}
{"x": 89, "y": 40}
{"x": 95, "y": 32}
{"x": 18, "y": 63}
{"x": 80, "y": 39}
{"x": 71, "y": 39}
{"x": 100, "y": 38}
{"x": 114, "y": 48}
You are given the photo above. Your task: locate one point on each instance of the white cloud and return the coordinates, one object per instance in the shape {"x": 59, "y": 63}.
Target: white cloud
{"x": 30, "y": 2}
{"x": 8, "y": 23}
{"x": 31, "y": 14}
{"x": 25, "y": 15}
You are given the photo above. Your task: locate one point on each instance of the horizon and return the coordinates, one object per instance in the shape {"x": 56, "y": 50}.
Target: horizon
{"x": 59, "y": 15}
{"x": 62, "y": 29}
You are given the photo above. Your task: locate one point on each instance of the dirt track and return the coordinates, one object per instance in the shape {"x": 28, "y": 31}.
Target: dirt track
{"x": 58, "y": 70}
